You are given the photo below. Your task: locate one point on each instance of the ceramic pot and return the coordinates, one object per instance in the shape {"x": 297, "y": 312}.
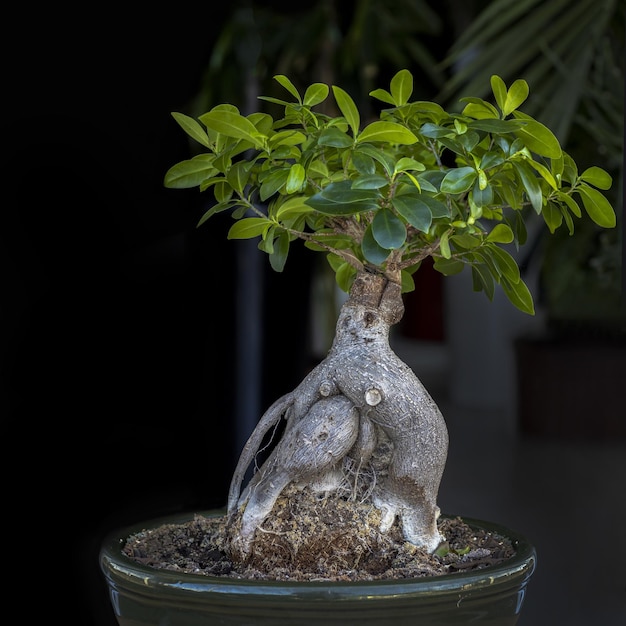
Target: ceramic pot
{"x": 144, "y": 596}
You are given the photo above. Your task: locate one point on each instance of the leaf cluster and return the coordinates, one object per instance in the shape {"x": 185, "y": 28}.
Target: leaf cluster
{"x": 384, "y": 194}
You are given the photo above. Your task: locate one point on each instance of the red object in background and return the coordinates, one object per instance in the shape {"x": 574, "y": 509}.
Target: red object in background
{"x": 423, "y": 315}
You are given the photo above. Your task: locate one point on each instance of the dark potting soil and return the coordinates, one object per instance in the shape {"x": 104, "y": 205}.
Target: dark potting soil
{"x": 313, "y": 538}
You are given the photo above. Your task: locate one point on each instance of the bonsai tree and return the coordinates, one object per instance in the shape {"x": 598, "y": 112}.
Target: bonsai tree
{"x": 377, "y": 198}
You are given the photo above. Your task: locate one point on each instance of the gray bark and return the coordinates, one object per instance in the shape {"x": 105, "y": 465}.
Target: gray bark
{"x": 336, "y": 413}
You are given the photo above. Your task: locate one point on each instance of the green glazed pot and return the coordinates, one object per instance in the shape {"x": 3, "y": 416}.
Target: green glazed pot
{"x": 144, "y": 596}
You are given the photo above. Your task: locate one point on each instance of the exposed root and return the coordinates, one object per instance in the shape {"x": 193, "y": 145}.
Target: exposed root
{"x": 361, "y": 478}
{"x": 321, "y": 532}
{"x": 335, "y": 418}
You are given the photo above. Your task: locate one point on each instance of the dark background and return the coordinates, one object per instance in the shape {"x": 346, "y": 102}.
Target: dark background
{"x": 117, "y": 330}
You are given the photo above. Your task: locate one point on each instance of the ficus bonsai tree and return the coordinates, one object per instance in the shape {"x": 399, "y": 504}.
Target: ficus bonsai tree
{"x": 377, "y": 198}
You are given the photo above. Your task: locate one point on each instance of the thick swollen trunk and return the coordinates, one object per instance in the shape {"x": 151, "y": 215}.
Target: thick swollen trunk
{"x": 359, "y": 394}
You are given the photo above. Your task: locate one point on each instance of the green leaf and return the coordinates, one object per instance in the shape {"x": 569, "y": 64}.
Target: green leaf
{"x": 531, "y": 185}
{"x": 491, "y": 159}
{"x": 334, "y": 138}
{"x": 344, "y": 274}
{"x": 378, "y": 155}
{"x": 407, "y": 163}
{"x": 544, "y": 172}
{"x": 288, "y": 85}
{"x": 216, "y": 208}
{"x": 369, "y": 181}
{"x": 498, "y": 127}
{"x": 570, "y": 169}
{"x": 318, "y": 169}
{"x": 275, "y": 101}
{"x": 434, "y": 131}
{"x": 284, "y": 153}
{"x": 597, "y": 206}
{"x": 237, "y": 176}
{"x": 597, "y": 177}
{"x": 466, "y": 241}
{"x": 485, "y": 254}
{"x": 455, "y": 145}
{"x": 249, "y": 227}
{"x": 363, "y": 163}
{"x": 479, "y": 109}
{"x": 316, "y": 93}
{"x": 232, "y": 125}
{"x": 515, "y": 96}
{"x": 192, "y": 128}
{"x": 537, "y": 137}
{"x": 278, "y": 257}
{"x": 335, "y": 261}
{"x": 416, "y": 183}
{"x": 275, "y": 181}
{"x": 295, "y": 179}
{"x": 414, "y": 210}
{"x": 286, "y": 138}
{"x": 500, "y": 233}
{"x": 482, "y": 280}
{"x": 519, "y": 295}
{"x": 266, "y": 243}
{"x": 567, "y": 218}
{"x": 570, "y": 202}
{"x": 505, "y": 263}
{"x": 408, "y": 284}
{"x": 383, "y": 96}
{"x": 460, "y": 126}
{"x": 519, "y": 229}
{"x": 444, "y": 245}
{"x": 511, "y": 191}
{"x": 498, "y": 87}
{"x": 387, "y": 131}
{"x": 448, "y": 267}
{"x": 223, "y": 191}
{"x": 458, "y": 180}
{"x": 437, "y": 208}
{"x": 469, "y": 140}
{"x": 264, "y": 123}
{"x": 292, "y": 207}
{"x": 552, "y": 216}
{"x": 348, "y": 109}
{"x": 340, "y": 199}
{"x": 425, "y": 184}
{"x": 482, "y": 197}
{"x": 557, "y": 166}
{"x": 431, "y": 109}
{"x": 372, "y": 250}
{"x": 401, "y": 87}
{"x": 190, "y": 173}
{"x": 443, "y": 549}
{"x": 388, "y": 231}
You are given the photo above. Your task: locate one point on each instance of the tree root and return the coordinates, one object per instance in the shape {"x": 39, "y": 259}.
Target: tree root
{"x": 335, "y": 419}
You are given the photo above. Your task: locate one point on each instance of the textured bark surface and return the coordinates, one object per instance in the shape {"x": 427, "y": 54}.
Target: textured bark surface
{"x": 360, "y": 423}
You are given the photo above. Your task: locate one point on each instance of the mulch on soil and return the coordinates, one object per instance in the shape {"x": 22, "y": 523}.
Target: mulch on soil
{"x": 308, "y": 537}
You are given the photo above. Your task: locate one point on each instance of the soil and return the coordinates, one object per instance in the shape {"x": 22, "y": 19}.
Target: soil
{"x": 313, "y": 537}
